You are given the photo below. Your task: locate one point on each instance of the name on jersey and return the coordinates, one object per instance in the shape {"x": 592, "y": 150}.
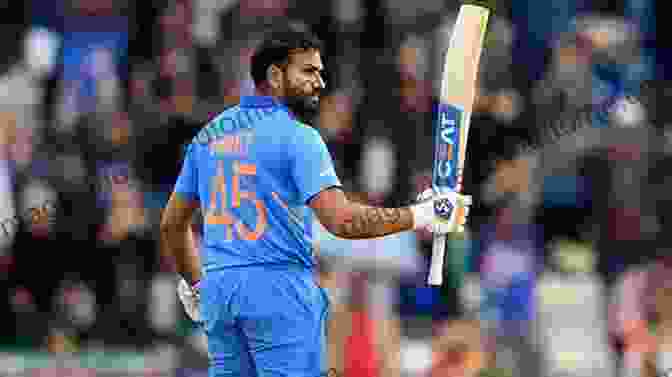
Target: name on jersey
{"x": 232, "y": 145}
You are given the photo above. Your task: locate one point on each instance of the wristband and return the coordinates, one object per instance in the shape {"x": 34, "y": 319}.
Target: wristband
{"x": 423, "y": 214}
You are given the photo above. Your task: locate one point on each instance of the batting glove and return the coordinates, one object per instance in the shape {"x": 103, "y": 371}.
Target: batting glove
{"x": 191, "y": 298}
{"x": 441, "y": 213}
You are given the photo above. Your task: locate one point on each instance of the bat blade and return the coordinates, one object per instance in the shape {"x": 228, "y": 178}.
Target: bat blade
{"x": 458, "y": 89}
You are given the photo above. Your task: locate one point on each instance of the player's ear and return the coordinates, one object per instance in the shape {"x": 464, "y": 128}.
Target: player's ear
{"x": 274, "y": 76}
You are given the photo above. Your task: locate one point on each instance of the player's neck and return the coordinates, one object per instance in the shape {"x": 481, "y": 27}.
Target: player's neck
{"x": 267, "y": 91}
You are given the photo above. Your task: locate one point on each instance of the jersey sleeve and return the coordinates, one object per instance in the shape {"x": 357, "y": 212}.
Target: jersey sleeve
{"x": 311, "y": 164}
{"x": 187, "y": 183}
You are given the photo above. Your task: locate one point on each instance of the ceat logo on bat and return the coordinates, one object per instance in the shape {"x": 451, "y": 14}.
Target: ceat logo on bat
{"x": 447, "y": 138}
{"x": 448, "y": 127}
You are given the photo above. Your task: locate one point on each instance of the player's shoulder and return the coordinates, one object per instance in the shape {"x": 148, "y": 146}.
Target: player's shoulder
{"x": 221, "y": 124}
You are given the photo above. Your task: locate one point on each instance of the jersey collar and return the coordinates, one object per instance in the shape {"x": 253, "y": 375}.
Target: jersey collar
{"x": 259, "y": 101}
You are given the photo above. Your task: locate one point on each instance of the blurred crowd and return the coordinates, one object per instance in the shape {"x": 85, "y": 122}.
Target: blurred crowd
{"x": 564, "y": 270}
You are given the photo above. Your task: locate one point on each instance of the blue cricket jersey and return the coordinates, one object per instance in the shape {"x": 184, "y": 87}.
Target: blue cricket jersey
{"x": 253, "y": 168}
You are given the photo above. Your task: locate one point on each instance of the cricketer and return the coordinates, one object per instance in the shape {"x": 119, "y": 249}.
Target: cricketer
{"x": 259, "y": 174}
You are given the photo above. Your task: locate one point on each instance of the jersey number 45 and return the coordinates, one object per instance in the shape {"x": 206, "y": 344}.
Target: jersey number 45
{"x": 218, "y": 212}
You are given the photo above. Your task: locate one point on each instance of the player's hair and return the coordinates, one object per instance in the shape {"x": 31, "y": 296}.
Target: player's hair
{"x": 279, "y": 44}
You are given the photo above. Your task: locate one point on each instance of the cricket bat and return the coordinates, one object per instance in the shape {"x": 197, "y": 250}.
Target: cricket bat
{"x": 451, "y": 128}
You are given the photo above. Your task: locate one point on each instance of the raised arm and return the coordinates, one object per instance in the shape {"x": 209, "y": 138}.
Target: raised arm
{"x": 348, "y": 219}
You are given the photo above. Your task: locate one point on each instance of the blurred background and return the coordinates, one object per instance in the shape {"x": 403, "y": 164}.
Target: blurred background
{"x": 565, "y": 269}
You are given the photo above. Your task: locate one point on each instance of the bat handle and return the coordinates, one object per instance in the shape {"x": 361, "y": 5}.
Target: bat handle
{"x": 436, "y": 266}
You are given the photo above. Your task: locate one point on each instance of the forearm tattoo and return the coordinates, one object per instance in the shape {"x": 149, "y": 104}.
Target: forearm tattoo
{"x": 371, "y": 222}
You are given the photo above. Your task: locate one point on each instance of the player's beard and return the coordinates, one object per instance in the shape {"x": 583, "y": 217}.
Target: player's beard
{"x": 304, "y": 106}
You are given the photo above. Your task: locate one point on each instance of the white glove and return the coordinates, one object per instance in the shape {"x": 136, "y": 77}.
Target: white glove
{"x": 191, "y": 299}
{"x": 441, "y": 213}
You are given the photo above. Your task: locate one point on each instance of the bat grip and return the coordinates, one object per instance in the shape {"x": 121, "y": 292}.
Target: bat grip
{"x": 436, "y": 266}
